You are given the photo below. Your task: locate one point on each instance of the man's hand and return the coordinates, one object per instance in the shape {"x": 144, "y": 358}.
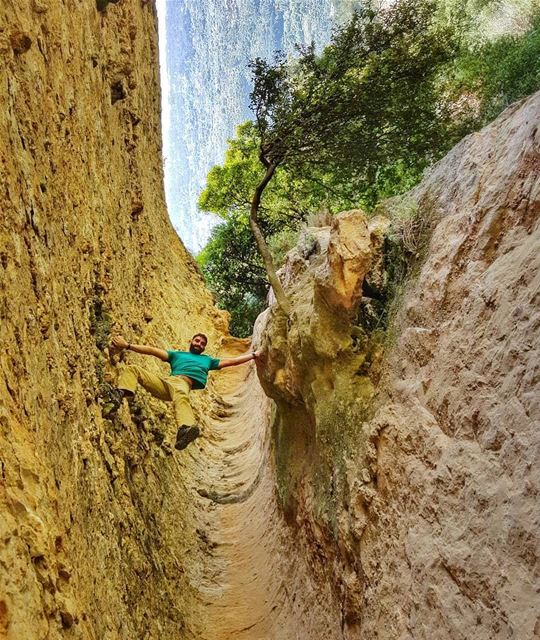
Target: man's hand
{"x": 231, "y": 362}
{"x": 120, "y": 343}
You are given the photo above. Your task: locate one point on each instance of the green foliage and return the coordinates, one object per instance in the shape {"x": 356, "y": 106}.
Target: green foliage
{"x": 394, "y": 90}
{"x": 289, "y": 197}
{"x": 482, "y": 21}
{"x": 364, "y": 109}
{"x": 281, "y": 243}
{"x": 489, "y": 77}
{"x": 228, "y": 186}
{"x": 234, "y": 273}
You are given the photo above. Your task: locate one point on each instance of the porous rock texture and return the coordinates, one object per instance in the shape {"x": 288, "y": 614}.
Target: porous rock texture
{"x": 413, "y": 476}
{"x": 102, "y": 534}
{"x": 86, "y": 249}
{"x": 389, "y": 492}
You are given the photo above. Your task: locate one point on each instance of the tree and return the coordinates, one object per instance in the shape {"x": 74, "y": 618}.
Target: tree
{"x": 368, "y": 102}
{"x": 289, "y": 199}
{"x": 392, "y": 93}
{"x": 234, "y": 272}
{"x": 230, "y": 186}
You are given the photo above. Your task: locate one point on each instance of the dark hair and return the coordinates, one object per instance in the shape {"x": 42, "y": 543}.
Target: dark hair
{"x": 200, "y": 335}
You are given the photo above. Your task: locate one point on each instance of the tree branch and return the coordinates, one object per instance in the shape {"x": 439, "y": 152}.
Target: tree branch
{"x": 281, "y": 297}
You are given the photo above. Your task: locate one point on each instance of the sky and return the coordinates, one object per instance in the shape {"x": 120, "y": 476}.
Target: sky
{"x": 205, "y": 47}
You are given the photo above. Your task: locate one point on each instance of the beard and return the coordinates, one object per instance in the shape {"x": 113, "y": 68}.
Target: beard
{"x": 195, "y": 349}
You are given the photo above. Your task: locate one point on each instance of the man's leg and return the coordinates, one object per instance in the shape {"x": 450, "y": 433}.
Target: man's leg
{"x": 127, "y": 383}
{"x": 185, "y": 418}
{"x": 179, "y": 390}
{"x": 133, "y": 375}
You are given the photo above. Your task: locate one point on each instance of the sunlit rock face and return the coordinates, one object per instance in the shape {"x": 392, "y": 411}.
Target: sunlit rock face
{"x": 324, "y": 276}
{"x": 414, "y": 479}
{"x": 86, "y": 249}
{"x": 206, "y": 46}
{"x": 103, "y": 535}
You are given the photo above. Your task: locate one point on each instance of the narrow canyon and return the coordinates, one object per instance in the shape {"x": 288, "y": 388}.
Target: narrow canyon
{"x": 374, "y": 476}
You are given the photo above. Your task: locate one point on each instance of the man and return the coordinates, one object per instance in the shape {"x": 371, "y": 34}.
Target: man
{"x": 189, "y": 370}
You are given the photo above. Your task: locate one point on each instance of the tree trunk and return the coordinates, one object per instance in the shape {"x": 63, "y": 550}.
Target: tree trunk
{"x": 281, "y": 297}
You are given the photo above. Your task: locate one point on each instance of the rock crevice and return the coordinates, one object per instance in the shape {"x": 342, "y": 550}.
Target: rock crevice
{"x": 390, "y": 488}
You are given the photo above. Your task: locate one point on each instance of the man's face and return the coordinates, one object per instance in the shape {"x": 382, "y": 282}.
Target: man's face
{"x": 197, "y": 345}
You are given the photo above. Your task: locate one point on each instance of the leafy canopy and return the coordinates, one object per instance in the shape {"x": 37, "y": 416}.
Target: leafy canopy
{"x": 369, "y": 102}
{"x": 289, "y": 197}
{"x": 393, "y": 91}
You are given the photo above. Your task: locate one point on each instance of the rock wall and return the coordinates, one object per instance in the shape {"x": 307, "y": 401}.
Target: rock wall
{"x": 87, "y": 504}
{"x": 402, "y": 501}
{"x": 103, "y": 535}
{"x": 412, "y": 481}
{"x": 457, "y": 485}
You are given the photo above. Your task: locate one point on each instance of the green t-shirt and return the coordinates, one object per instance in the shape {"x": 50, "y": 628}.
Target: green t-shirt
{"x": 193, "y": 365}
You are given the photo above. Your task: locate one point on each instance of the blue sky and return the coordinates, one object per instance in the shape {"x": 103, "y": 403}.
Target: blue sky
{"x": 205, "y": 47}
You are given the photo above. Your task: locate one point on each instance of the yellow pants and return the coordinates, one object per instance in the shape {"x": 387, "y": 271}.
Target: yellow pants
{"x": 171, "y": 388}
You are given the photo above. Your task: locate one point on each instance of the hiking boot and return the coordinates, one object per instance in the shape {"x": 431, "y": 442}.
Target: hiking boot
{"x": 186, "y": 435}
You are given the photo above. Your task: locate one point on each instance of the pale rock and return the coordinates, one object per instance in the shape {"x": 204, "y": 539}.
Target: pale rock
{"x": 349, "y": 254}
{"x": 442, "y": 505}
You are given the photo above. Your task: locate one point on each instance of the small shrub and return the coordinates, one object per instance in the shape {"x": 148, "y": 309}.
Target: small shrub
{"x": 410, "y": 227}
{"x": 281, "y": 243}
{"x": 307, "y": 245}
{"x": 320, "y": 219}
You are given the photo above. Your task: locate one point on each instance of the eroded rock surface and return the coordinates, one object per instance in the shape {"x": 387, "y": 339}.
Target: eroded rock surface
{"x": 91, "y": 542}
{"x": 255, "y": 581}
{"x": 418, "y": 493}
{"x": 402, "y": 497}
{"x": 455, "y": 530}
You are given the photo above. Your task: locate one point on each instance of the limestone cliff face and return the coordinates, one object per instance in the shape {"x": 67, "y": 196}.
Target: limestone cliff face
{"x": 86, "y": 249}
{"x": 395, "y": 493}
{"x": 103, "y": 536}
{"x": 413, "y": 482}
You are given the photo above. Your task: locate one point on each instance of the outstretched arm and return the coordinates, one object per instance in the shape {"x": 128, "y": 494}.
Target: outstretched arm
{"x": 120, "y": 343}
{"x": 231, "y": 362}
